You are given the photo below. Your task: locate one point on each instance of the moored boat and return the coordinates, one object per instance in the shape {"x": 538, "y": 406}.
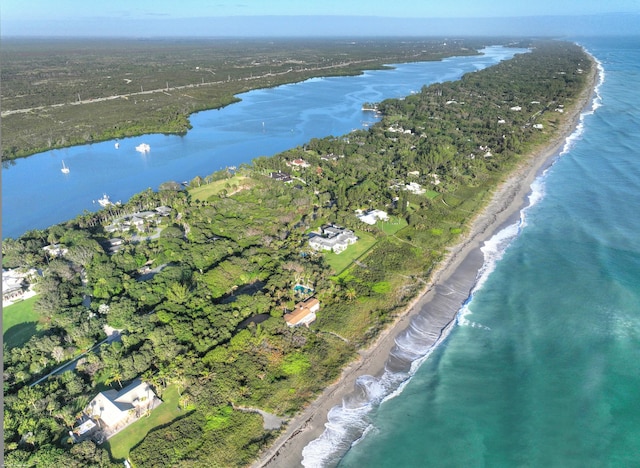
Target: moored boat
{"x": 105, "y": 200}
{"x": 143, "y": 148}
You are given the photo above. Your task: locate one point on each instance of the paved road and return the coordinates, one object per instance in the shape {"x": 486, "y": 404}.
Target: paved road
{"x": 70, "y": 365}
{"x": 173, "y": 88}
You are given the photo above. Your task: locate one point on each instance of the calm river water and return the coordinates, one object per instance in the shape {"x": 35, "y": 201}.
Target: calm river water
{"x": 36, "y": 194}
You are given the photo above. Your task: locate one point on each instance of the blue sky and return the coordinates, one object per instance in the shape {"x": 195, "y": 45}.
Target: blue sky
{"x": 148, "y": 17}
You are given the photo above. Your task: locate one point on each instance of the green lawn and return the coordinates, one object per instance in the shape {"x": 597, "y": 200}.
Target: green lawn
{"x": 342, "y": 260}
{"x": 121, "y": 443}
{"x": 392, "y": 226}
{"x": 206, "y": 191}
{"x": 19, "y": 322}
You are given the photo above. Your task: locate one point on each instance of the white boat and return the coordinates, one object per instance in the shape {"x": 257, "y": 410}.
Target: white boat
{"x": 143, "y": 148}
{"x": 104, "y": 201}
{"x": 117, "y": 145}
{"x": 65, "y": 169}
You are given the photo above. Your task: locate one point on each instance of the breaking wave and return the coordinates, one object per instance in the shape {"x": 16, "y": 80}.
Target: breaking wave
{"x": 349, "y": 423}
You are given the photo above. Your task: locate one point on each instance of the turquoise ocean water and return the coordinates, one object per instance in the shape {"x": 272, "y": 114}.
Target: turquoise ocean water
{"x": 543, "y": 366}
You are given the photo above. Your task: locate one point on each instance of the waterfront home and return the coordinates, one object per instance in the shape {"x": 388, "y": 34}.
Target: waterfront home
{"x": 372, "y": 216}
{"x": 281, "y": 177}
{"x": 414, "y": 187}
{"x": 163, "y": 210}
{"x": 299, "y": 163}
{"x": 16, "y": 285}
{"x": 55, "y": 250}
{"x": 331, "y": 157}
{"x": 113, "y": 410}
{"x": 332, "y": 237}
{"x": 112, "y": 246}
{"x": 13, "y": 285}
{"x": 304, "y": 313}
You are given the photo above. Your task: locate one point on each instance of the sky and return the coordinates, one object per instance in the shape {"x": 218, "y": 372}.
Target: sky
{"x": 151, "y": 17}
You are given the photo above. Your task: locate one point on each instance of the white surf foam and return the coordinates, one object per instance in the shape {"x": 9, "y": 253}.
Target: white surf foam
{"x": 348, "y": 425}
{"x": 595, "y": 104}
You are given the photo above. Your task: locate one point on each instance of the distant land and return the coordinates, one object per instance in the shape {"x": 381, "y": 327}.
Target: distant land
{"x": 328, "y": 26}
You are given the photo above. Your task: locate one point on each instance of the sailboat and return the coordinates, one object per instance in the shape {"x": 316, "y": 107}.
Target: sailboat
{"x": 65, "y": 169}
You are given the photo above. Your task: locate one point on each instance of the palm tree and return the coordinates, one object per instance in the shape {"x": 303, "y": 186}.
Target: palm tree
{"x": 67, "y": 416}
{"x": 116, "y": 376}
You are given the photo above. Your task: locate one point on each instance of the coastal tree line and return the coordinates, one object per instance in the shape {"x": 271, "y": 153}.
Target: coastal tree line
{"x": 63, "y": 93}
{"x": 237, "y": 255}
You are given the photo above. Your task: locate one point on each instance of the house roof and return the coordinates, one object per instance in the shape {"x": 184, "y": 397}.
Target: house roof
{"x": 309, "y": 303}
{"x": 112, "y": 406}
{"x": 303, "y": 312}
{"x": 296, "y": 316}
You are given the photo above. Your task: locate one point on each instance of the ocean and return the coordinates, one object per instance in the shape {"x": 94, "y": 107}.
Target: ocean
{"x": 543, "y": 365}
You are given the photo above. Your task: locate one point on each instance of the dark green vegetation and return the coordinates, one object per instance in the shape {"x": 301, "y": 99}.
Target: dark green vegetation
{"x": 238, "y": 254}
{"x": 58, "y": 93}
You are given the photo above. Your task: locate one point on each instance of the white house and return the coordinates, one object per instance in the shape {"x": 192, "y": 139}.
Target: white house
{"x": 333, "y": 238}
{"x": 55, "y": 250}
{"x": 414, "y": 187}
{"x": 115, "y": 410}
{"x": 372, "y": 216}
{"x": 16, "y": 285}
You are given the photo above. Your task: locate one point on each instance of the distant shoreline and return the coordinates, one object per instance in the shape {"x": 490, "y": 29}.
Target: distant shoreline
{"x": 224, "y": 93}
{"x": 457, "y": 272}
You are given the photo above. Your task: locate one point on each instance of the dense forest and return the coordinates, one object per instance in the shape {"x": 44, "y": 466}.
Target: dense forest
{"x": 234, "y": 246}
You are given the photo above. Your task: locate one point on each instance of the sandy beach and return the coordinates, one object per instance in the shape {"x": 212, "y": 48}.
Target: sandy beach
{"x": 455, "y": 276}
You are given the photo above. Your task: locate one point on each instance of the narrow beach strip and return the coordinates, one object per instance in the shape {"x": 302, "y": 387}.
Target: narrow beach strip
{"x": 440, "y": 300}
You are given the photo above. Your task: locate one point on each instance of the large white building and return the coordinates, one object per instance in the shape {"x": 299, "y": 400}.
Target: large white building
{"x": 16, "y": 285}
{"x": 332, "y": 238}
{"x": 115, "y": 410}
{"x": 372, "y": 216}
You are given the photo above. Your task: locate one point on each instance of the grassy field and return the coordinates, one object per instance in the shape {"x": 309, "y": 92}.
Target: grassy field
{"x": 120, "y": 444}
{"x": 204, "y": 192}
{"x": 342, "y": 260}
{"x": 19, "y": 322}
{"x": 393, "y": 225}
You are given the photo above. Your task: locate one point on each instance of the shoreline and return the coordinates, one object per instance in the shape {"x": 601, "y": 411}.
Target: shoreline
{"x": 378, "y": 64}
{"x": 456, "y": 273}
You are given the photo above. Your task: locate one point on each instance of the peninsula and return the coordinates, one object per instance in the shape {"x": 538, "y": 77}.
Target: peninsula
{"x": 210, "y": 289}
{"x": 442, "y": 296}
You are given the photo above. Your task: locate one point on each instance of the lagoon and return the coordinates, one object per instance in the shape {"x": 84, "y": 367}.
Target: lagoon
{"x": 37, "y": 194}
